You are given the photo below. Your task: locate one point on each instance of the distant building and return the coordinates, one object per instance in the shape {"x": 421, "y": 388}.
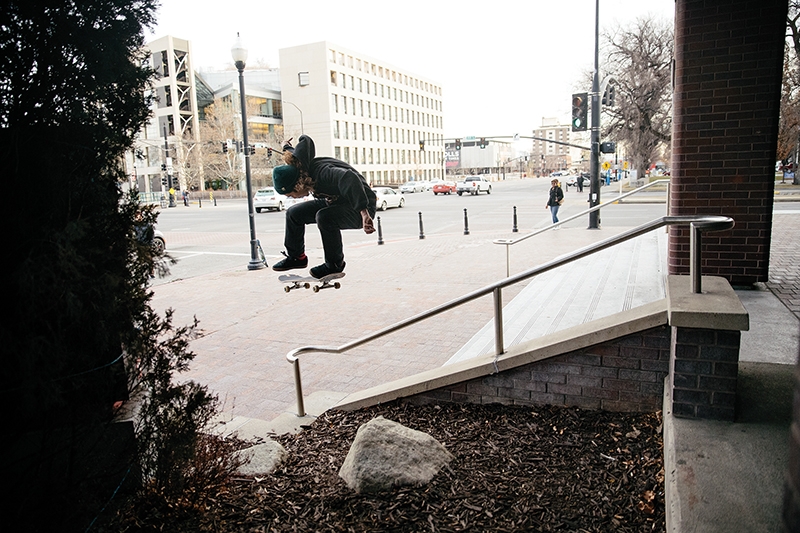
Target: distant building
{"x": 175, "y": 117}
{"x": 494, "y": 160}
{"x": 385, "y": 121}
{"x": 547, "y": 157}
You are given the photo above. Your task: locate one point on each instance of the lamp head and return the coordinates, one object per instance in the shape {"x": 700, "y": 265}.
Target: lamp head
{"x": 239, "y": 53}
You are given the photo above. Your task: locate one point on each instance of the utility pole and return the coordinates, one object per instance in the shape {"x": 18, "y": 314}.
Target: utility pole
{"x": 594, "y": 165}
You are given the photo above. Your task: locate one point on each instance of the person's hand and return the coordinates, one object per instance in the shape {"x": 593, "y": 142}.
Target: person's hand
{"x": 367, "y": 222}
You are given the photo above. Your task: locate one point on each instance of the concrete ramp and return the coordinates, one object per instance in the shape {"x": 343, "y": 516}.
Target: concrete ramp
{"x": 625, "y": 276}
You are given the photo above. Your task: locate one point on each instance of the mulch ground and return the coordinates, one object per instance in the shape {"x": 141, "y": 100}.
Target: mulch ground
{"x": 515, "y": 469}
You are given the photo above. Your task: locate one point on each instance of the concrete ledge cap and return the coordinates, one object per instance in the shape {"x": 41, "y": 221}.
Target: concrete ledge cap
{"x": 716, "y": 307}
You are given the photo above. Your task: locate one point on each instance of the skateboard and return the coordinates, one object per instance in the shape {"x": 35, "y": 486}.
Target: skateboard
{"x": 293, "y": 281}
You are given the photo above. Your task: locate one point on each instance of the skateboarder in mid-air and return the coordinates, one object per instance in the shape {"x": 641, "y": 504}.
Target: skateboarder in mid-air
{"x": 342, "y": 200}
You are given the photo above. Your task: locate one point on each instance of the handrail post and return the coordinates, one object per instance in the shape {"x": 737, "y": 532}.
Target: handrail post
{"x": 499, "y": 345}
{"x": 695, "y": 258}
{"x": 298, "y": 387}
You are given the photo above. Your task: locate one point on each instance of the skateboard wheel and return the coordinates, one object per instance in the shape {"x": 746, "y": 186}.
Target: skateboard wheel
{"x": 306, "y": 285}
{"x": 336, "y": 285}
{"x": 287, "y": 288}
{"x": 316, "y": 288}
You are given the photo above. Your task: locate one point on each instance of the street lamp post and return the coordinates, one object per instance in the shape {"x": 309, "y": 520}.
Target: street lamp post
{"x": 302, "y": 129}
{"x": 239, "y": 54}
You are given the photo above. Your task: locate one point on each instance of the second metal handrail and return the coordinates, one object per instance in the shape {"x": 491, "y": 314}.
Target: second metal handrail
{"x": 510, "y": 242}
{"x": 698, "y": 225}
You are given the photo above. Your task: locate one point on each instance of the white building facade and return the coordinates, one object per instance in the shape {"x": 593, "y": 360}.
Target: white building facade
{"x": 385, "y": 121}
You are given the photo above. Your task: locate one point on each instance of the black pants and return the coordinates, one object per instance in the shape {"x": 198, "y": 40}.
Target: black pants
{"x": 330, "y": 220}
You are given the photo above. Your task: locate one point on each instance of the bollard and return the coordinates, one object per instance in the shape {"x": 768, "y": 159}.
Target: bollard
{"x": 421, "y": 232}
{"x": 514, "y": 229}
{"x": 466, "y": 222}
{"x": 200, "y": 202}
{"x": 380, "y": 232}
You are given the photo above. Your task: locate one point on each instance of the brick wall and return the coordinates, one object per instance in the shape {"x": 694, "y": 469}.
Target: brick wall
{"x": 625, "y": 374}
{"x": 728, "y": 69}
{"x": 705, "y": 369}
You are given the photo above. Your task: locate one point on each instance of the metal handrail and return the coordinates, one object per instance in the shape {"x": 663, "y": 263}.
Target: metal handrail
{"x": 698, "y": 224}
{"x": 509, "y": 242}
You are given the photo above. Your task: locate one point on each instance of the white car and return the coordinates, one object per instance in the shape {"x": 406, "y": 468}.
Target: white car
{"x": 412, "y": 186}
{"x": 269, "y": 199}
{"x": 388, "y": 197}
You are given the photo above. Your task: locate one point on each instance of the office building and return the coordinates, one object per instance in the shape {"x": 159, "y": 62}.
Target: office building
{"x": 385, "y": 121}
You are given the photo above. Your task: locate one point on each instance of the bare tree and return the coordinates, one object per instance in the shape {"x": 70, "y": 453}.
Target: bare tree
{"x": 789, "y": 123}
{"x": 639, "y": 58}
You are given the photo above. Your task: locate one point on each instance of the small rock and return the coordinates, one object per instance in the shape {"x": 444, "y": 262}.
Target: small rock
{"x": 260, "y": 459}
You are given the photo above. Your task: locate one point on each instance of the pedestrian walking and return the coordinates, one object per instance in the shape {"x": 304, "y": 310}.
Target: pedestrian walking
{"x": 554, "y": 199}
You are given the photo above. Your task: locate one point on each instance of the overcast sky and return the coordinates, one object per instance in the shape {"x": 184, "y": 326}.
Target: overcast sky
{"x": 503, "y": 65}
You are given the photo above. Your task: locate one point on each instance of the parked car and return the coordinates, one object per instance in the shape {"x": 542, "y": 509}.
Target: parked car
{"x": 412, "y": 186}
{"x": 388, "y": 197}
{"x": 159, "y": 243}
{"x": 444, "y": 187}
{"x": 269, "y": 199}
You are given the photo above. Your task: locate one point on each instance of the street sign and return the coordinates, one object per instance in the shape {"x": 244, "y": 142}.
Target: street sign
{"x": 606, "y": 165}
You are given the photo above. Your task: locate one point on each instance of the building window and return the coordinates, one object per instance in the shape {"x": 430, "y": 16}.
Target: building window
{"x": 302, "y": 79}
{"x": 335, "y": 129}
{"x": 333, "y": 78}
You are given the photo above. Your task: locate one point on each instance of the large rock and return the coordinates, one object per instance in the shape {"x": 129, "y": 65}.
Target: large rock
{"x": 260, "y": 459}
{"x": 385, "y": 454}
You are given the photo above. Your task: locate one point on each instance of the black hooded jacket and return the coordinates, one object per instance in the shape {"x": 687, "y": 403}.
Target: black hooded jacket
{"x": 334, "y": 180}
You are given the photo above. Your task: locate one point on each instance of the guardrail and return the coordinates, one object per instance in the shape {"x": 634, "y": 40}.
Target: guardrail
{"x": 698, "y": 225}
{"x": 510, "y": 242}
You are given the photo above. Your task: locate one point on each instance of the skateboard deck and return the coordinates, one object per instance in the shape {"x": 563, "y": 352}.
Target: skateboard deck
{"x": 293, "y": 281}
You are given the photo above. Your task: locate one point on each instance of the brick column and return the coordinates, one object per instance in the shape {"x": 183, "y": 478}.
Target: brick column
{"x": 728, "y": 69}
{"x": 704, "y": 369}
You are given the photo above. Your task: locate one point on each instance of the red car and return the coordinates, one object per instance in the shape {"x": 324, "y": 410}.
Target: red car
{"x": 444, "y": 187}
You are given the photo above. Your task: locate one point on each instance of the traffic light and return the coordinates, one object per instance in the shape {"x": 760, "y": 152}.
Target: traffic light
{"x": 421, "y": 145}
{"x": 483, "y": 142}
{"x": 163, "y": 167}
{"x": 251, "y": 150}
{"x": 458, "y": 144}
{"x": 609, "y": 96}
{"x": 580, "y": 111}
{"x": 269, "y": 152}
{"x": 225, "y": 147}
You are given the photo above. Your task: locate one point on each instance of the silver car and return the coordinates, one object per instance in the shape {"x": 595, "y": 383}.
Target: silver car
{"x": 269, "y": 199}
{"x": 388, "y": 197}
{"x": 412, "y": 186}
